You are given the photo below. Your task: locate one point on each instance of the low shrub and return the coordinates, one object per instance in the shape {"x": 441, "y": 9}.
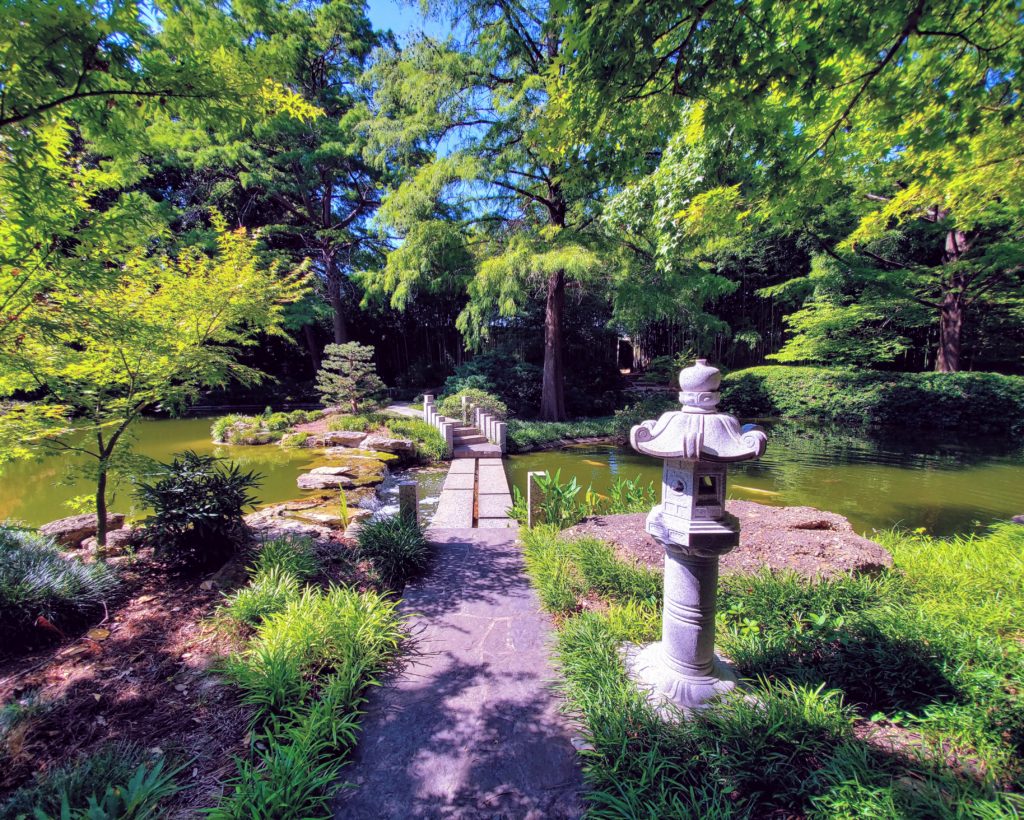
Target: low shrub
{"x": 430, "y": 445}
{"x": 117, "y": 781}
{"x": 516, "y": 383}
{"x": 296, "y": 556}
{"x": 983, "y": 402}
{"x": 270, "y": 590}
{"x": 562, "y": 505}
{"x": 263, "y": 429}
{"x": 395, "y": 546}
{"x": 38, "y": 580}
{"x": 451, "y": 406}
{"x": 523, "y": 436}
{"x": 198, "y": 506}
{"x": 304, "y": 672}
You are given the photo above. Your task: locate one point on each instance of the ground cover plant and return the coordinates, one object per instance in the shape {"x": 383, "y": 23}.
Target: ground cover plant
{"x": 44, "y": 591}
{"x": 262, "y": 429}
{"x": 883, "y": 696}
{"x": 304, "y": 674}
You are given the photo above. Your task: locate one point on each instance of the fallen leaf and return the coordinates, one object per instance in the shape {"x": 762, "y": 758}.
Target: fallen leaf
{"x": 97, "y": 697}
{"x": 98, "y": 634}
{"x": 144, "y": 598}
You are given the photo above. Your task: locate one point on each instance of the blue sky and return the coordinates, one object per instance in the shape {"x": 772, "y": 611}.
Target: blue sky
{"x": 402, "y": 18}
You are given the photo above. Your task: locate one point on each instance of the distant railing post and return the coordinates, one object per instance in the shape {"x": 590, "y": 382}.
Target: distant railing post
{"x": 447, "y": 429}
{"x": 501, "y": 434}
{"x": 534, "y": 498}
{"x": 408, "y": 504}
{"x": 465, "y": 409}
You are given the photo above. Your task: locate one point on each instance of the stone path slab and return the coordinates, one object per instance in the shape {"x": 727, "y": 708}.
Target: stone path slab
{"x": 470, "y": 727}
{"x": 454, "y": 509}
{"x": 493, "y": 506}
{"x": 459, "y": 481}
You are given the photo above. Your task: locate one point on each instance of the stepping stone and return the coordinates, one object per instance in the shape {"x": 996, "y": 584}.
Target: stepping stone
{"x": 454, "y": 510}
{"x": 477, "y": 451}
{"x": 493, "y": 506}
{"x": 458, "y": 481}
{"x": 495, "y": 523}
{"x": 492, "y": 482}
{"x": 462, "y": 466}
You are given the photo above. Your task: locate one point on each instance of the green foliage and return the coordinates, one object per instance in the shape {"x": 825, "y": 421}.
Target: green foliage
{"x": 910, "y": 650}
{"x": 395, "y": 546}
{"x": 38, "y": 580}
{"x": 114, "y": 783}
{"x": 296, "y": 556}
{"x": 304, "y": 673}
{"x": 270, "y": 590}
{"x": 561, "y": 505}
{"x": 516, "y": 383}
{"x": 198, "y": 504}
{"x": 169, "y": 325}
{"x": 451, "y": 406}
{"x": 944, "y": 401}
{"x": 359, "y": 421}
{"x": 238, "y": 429}
{"x": 430, "y": 445}
{"x": 348, "y": 376}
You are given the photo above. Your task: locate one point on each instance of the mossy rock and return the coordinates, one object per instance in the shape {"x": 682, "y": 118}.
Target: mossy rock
{"x": 338, "y": 454}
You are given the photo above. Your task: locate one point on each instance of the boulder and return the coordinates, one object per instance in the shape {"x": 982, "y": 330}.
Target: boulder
{"x": 337, "y": 453}
{"x": 117, "y": 541}
{"x": 320, "y": 481}
{"x": 330, "y": 471}
{"x": 809, "y": 542}
{"x": 1018, "y": 519}
{"x": 398, "y": 446}
{"x": 71, "y": 531}
{"x": 343, "y": 438}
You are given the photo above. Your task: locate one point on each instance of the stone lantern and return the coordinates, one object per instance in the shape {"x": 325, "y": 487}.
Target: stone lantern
{"x": 696, "y": 445}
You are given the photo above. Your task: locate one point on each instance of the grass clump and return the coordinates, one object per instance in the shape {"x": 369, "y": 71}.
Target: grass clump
{"x": 395, "y": 546}
{"x": 263, "y": 429}
{"x": 304, "y": 673}
{"x": 563, "y": 505}
{"x": 430, "y": 444}
{"x": 824, "y": 661}
{"x": 280, "y": 568}
{"x": 116, "y": 781}
{"x": 38, "y": 580}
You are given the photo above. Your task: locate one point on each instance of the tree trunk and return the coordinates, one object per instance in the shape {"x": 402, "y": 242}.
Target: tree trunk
{"x": 951, "y": 325}
{"x": 552, "y": 400}
{"x": 101, "y": 508}
{"x": 314, "y": 353}
{"x": 334, "y": 296}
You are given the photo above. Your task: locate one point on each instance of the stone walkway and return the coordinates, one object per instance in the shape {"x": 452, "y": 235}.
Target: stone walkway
{"x": 470, "y": 727}
{"x": 475, "y": 494}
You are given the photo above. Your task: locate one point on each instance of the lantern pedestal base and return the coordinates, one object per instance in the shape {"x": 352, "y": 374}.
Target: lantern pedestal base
{"x": 647, "y": 666}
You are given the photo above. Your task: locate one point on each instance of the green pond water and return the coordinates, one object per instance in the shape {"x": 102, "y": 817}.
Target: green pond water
{"x": 944, "y": 483}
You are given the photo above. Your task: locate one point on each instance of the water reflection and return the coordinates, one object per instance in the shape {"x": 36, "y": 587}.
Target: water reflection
{"x": 947, "y": 483}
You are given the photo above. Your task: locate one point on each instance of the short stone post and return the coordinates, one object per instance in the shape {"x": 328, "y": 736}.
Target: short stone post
{"x": 695, "y": 444}
{"x": 428, "y": 403}
{"x": 501, "y": 433}
{"x": 408, "y": 504}
{"x": 448, "y": 433}
{"x": 485, "y": 424}
{"x": 534, "y": 498}
{"x": 465, "y": 409}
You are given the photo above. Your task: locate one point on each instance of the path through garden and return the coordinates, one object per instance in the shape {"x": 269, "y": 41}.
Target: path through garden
{"x": 471, "y": 726}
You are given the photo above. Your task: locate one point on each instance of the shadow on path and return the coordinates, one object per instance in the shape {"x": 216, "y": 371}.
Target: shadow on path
{"x": 470, "y": 727}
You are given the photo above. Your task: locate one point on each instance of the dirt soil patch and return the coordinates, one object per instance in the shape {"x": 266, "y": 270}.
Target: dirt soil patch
{"x": 145, "y": 673}
{"x": 804, "y": 540}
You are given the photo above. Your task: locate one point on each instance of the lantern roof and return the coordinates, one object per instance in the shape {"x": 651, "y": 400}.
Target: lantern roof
{"x": 697, "y": 432}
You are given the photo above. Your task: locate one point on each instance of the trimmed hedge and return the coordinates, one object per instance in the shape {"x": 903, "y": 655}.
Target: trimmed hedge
{"x": 978, "y": 402}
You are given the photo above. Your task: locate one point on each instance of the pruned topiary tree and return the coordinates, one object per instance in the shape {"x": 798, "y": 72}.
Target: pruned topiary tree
{"x": 348, "y": 376}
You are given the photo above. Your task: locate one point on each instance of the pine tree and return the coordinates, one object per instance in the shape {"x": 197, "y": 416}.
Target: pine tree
{"x": 348, "y": 374}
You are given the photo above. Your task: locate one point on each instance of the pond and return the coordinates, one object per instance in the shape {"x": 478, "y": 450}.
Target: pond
{"x": 945, "y": 483}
